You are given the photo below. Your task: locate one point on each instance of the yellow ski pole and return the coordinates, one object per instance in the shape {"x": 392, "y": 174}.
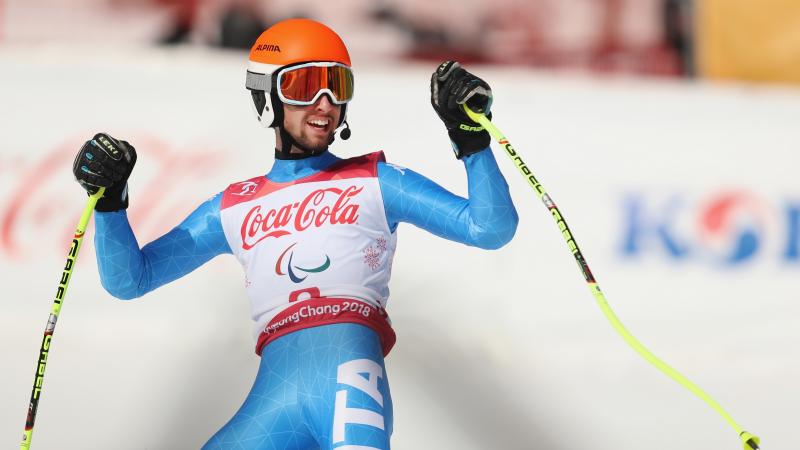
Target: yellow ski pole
{"x": 749, "y": 441}
{"x": 72, "y": 256}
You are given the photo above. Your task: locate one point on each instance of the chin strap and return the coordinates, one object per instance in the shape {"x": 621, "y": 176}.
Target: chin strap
{"x": 287, "y": 142}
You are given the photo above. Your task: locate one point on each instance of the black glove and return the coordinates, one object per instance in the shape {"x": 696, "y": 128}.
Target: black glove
{"x": 451, "y": 88}
{"x": 105, "y": 162}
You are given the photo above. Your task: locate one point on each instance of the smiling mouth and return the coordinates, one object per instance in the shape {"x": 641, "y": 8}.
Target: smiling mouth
{"x": 319, "y": 124}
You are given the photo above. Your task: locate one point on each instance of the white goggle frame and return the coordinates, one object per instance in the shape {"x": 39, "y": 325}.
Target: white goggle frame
{"x": 330, "y": 93}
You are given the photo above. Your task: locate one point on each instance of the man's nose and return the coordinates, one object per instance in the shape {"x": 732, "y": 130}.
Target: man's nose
{"x": 324, "y": 103}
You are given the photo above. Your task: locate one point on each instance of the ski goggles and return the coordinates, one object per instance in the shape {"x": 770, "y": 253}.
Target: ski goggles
{"x": 303, "y": 84}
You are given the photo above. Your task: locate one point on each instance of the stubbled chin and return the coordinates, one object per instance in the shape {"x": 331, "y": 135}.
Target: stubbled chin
{"x": 316, "y": 141}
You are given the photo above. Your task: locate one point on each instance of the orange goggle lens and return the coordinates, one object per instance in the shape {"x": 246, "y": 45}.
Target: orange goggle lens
{"x": 302, "y": 84}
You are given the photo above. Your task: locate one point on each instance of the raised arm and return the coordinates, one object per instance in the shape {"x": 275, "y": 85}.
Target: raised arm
{"x": 127, "y": 271}
{"x": 486, "y": 220}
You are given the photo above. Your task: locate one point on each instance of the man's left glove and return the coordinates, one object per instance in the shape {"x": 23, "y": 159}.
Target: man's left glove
{"x": 451, "y": 88}
{"x": 105, "y": 162}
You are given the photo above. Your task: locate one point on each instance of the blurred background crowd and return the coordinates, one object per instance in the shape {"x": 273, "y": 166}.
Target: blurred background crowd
{"x": 740, "y": 39}
{"x": 666, "y": 129}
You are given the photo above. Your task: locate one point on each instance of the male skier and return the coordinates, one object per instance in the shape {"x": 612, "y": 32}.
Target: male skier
{"x": 315, "y": 236}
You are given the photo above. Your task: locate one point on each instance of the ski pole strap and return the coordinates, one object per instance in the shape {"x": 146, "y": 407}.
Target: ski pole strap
{"x": 72, "y": 257}
{"x": 749, "y": 441}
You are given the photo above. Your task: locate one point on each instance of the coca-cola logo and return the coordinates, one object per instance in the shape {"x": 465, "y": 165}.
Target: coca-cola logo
{"x": 43, "y": 202}
{"x": 312, "y": 211}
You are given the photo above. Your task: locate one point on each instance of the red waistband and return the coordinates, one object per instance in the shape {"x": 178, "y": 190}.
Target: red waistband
{"x": 325, "y": 311}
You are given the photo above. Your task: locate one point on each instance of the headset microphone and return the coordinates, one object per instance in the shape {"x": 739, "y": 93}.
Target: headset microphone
{"x": 345, "y": 134}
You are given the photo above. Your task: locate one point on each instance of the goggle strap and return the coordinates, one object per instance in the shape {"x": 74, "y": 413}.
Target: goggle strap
{"x": 258, "y": 81}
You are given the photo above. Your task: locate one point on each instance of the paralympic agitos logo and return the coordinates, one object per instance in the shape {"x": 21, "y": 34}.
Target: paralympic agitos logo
{"x": 313, "y": 210}
{"x": 292, "y": 269}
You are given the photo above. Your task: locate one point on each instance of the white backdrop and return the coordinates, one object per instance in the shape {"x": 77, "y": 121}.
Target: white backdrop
{"x": 502, "y": 349}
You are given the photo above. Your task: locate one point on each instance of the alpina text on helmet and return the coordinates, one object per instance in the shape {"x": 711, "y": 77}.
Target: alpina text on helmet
{"x": 268, "y": 48}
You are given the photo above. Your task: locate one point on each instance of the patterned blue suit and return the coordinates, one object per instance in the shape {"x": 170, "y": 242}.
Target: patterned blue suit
{"x": 323, "y": 387}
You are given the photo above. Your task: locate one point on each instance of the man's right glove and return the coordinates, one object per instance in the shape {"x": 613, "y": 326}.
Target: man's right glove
{"x": 451, "y": 88}
{"x": 105, "y": 162}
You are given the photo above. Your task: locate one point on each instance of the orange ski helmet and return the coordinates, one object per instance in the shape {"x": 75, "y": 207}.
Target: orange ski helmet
{"x": 287, "y": 43}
